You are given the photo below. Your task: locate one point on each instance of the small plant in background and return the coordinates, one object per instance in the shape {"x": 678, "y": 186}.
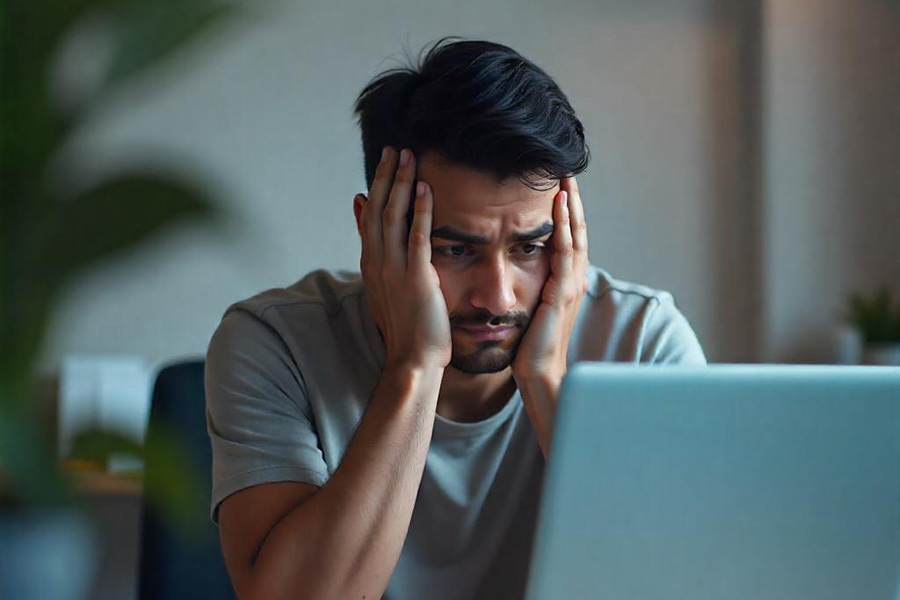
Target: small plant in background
{"x": 53, "y": 230}
{"x": 876, "y": 317}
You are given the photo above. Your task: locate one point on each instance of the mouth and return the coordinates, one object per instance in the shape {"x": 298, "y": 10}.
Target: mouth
{"x": 487, "y": 333}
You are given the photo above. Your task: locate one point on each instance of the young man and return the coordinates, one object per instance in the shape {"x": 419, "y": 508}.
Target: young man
{"x": 384, "y": 434}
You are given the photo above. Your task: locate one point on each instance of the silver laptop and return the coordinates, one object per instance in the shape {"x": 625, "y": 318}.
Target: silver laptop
{"x": 727, "y": 482}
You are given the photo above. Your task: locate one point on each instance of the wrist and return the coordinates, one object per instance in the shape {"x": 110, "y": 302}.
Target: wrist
{"x": 415, "y": 363}
{"x": 542, "y": 381}
{"x": 540, "y": 394}
{"x": 408, "y": 376}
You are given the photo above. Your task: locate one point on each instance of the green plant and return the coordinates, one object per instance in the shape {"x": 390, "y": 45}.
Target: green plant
{"x": 877, "y": 317}
{"x": 52, "y": 230}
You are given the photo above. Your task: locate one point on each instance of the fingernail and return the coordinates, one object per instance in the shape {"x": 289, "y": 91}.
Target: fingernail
{"x": 420, "y": 188}
{"x": 404, "y": 157}
{"x": 564, "y": 200}
{"x": 384, "y": 153}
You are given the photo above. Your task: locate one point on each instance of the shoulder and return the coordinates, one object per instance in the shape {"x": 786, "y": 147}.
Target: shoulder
{"x": 625, "y": 321}
{"x": 285, "y": 329}
{"x": 317, "y": 306}
{"x": 605, "y": 288}
{"x": 321, "y": 289}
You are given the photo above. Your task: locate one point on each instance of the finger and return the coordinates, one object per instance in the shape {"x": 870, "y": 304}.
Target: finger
{"x": 562, "y": 238}
{"x": 420, "y": 232}
{"x": 576, "y": 216}
{"x": 394, "y": 217}
{"x": 378, "y": 195}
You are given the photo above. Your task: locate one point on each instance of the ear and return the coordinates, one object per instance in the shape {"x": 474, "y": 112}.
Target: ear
{"x": 359, "y": 203}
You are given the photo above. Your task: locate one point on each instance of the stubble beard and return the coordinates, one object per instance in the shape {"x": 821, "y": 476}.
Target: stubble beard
{"x": 489, "y": 357}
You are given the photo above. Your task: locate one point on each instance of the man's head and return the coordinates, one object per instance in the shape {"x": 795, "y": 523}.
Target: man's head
{"x": 493, "y": 136}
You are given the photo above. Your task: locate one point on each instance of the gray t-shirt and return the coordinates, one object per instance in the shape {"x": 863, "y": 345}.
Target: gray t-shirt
{"x": 290, "y": 372}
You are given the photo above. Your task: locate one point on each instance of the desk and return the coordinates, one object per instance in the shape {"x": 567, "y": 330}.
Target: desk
{"x": 114, "y": 502}
{"x": 98, "y": 484}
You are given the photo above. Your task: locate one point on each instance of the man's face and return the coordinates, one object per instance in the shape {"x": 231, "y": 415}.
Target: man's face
{"x": 491, "y": 250}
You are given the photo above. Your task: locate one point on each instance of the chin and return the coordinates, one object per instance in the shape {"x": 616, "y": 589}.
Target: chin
{"x": 483, "y": 361}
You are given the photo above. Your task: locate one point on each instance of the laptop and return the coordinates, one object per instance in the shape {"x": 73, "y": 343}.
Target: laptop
{"x": 726, "y": 482}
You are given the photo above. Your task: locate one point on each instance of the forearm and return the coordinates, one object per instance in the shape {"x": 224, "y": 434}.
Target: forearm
{"x": 540, "y": 395}
{"x": 344, "y": 542}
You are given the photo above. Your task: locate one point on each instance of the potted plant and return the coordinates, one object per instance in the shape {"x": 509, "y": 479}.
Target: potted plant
{"x": 876, "y": 319}
{"x": 51, "y": 230}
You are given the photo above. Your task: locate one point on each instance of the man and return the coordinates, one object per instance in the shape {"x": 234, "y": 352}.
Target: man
{"x": 384, "y": 435}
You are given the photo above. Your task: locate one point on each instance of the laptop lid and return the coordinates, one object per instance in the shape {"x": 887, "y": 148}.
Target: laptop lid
{"x": 738, "y": 482}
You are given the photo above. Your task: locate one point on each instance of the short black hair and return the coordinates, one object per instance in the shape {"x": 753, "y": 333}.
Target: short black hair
{"x": 478, "y": 104}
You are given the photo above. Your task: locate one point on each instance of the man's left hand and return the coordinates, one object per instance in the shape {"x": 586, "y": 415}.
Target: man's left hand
{"x": 540, "y": 362}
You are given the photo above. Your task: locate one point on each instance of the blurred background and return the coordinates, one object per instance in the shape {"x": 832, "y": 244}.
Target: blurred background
{"x": 746, "y": 157}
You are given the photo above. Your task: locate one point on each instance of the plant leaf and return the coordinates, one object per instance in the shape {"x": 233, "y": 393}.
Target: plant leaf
{"x": 98, "y": 445}
{"x": 115, "y": 217}
{"x": 875, "y": 316}
{"x": 171, "y": 476}
{"x": 150, "y": 31}
{"x": 29, "y": 472}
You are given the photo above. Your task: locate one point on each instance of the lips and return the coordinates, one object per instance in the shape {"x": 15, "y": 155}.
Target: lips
{"x": 486, "y": 333}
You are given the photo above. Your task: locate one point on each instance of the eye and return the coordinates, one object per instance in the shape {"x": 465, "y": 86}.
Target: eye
{"x": 532, "y": 248}
{"x": 451, "y": 251}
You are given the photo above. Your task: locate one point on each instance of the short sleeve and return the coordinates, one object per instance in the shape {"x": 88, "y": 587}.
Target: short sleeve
{"x": 668, "y": 337}
{"x": 257, "y": 411}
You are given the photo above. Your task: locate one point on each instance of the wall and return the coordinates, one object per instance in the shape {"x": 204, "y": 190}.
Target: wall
{"x": 719, "y": 172}
{"x": 832, "y": 165}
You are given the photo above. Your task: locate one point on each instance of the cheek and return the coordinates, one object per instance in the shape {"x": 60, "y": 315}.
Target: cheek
{"x": 452, "y": 287}
{"x": 531, "y": 284}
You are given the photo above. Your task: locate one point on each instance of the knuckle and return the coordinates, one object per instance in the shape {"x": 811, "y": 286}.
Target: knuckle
{"x": 389, "y": 217}
{"x": 418, "y": 239}
{"x": 370, "y": 217}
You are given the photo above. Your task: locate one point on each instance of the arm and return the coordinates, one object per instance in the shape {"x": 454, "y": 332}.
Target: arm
{"x": 540, "y": 363}
{"x": 343, "y": 540}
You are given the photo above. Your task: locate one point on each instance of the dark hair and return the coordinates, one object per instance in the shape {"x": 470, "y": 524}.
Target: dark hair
{"x": 478, "y": 104}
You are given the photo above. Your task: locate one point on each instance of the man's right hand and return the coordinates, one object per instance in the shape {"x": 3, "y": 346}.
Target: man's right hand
{"x": 402, "y": 287}
{"x": 343, "y": 540}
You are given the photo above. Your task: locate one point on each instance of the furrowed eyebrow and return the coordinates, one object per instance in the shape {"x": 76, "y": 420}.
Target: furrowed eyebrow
{"x": 455, "y": 235}
{"x": 538, "y": 232}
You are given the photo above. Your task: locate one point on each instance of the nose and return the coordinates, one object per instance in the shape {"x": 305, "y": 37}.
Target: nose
{"x": 493, "y": 288}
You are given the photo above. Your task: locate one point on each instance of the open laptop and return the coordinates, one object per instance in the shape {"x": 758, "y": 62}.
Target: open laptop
{"x": 726, "y": 482}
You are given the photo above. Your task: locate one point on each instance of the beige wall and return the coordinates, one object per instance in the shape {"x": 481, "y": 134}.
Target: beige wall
{"x": 678, "y": 195}
{"x": 832, "y": 165}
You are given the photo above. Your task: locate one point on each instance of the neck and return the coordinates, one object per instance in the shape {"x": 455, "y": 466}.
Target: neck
{"x": 470, "y": 398}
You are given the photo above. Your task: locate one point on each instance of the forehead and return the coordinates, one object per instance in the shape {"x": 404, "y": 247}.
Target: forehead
{"x": 477, "y": 202}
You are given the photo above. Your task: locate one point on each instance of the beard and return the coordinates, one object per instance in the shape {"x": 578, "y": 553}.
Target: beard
{"x": 489, "y": 356}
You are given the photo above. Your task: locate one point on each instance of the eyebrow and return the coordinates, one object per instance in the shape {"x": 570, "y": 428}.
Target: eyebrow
{"x": 455, "y": 235}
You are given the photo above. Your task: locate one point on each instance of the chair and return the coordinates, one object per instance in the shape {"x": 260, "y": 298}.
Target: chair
{"x": 173, "y": 566}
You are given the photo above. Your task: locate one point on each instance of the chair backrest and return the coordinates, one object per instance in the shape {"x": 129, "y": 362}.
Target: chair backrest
{"x": 174, "y": 566}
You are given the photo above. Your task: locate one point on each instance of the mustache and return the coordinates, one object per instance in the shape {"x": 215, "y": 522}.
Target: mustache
{"x": 485, "y": 317}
